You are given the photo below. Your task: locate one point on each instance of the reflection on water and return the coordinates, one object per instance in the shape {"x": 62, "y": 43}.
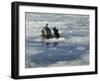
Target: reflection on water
{"x": 54, "y": 44}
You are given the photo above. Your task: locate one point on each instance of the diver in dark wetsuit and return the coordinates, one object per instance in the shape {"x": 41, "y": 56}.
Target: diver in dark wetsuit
{"x": 46, "y": 32}
{"x": 56, "y": 33}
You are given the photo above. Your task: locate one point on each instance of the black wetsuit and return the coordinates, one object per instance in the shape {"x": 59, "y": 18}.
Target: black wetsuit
{"x": 48, "y": 33}
{"x": 56, "y": 34}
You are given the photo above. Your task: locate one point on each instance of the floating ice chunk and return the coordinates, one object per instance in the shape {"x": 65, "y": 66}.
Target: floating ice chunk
{"x": 71, "y": 31}
{"x": 80, "y": 48}
{"x": 70, "y": 51}
{"x": 51, "y": 39}
{"x": 53, "y": 48}
{"x": 61, "y": 39}
{"x": 54, "y": 40}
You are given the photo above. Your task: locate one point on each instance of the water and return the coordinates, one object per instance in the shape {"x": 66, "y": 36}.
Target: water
{"x": 72, "y": 51}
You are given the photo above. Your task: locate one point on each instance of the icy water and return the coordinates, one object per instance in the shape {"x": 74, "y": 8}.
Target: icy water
{"x": 72, "y": 51}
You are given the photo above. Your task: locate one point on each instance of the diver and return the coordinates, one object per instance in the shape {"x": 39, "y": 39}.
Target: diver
{"x": 46, "y": 32}
{"x": 56, "y": 33}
